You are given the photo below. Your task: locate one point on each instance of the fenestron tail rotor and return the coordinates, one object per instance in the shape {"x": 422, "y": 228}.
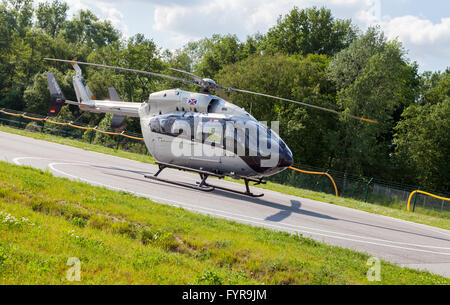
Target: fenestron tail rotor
{"x": 207, "y": 84}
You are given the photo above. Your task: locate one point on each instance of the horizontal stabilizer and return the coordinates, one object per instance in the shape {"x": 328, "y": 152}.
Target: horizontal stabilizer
{"x": 57, "y": 99}
{"x": 117, "y": 120}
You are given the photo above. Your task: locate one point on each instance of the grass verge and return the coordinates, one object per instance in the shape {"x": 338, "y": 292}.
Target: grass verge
{"x": 123, "y": 239}
{"x": 397, "y": 210}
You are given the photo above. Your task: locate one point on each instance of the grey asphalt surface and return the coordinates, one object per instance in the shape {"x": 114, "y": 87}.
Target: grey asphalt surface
{"x": 398, "y": 241}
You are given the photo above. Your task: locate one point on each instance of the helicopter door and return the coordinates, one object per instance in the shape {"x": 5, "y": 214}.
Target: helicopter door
{"x": 162, "y": 137}
{"x": 208, "y": 143}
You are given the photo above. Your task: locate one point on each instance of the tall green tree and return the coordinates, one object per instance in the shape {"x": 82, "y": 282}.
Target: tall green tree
{"x": 253, "y": 45}
{"x": 15, "y": 21}
{"x": 5, "y": 47}
{"x": 310, "y": 30}
{"x": 14, "y": 51}
{"x": 374, "y": 81}
{"x": 435, "y": 87}
{"x": 423, "y": 146}
{"x": 18, "y": 14}
{"x": 136, "y": 53}
{"x": 51, "y": 17}
{"x": 218, "y": 51}
{"x": 86, "y": 28}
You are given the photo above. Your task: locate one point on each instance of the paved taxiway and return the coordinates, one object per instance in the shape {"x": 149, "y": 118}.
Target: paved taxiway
{"x": 405, "y": 243}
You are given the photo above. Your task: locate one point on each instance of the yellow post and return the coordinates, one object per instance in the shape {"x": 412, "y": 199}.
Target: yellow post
{"x": 317, "y": 173}
{"x": 425, "y": 193}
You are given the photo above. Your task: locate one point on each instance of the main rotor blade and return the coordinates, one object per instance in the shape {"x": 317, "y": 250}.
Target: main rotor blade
{"x": 128, "y": 70}
{"x": 199, "y": 82}
{"x": 197, "y": 78}
{"x": 300, "y": 103}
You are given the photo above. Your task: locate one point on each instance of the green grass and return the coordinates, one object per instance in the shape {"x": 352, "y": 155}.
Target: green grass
{"x": 397, "y": 210}
{"x": 123, "y": 239}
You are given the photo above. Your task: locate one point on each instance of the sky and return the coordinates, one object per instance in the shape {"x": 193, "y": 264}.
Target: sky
{"x": 423, "y": 27}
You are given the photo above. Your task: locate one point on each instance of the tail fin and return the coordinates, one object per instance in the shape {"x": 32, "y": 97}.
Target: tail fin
{"x": 82, "y": 91}
{"x": 57, "y": 99}
{"x": 117, "y": 120}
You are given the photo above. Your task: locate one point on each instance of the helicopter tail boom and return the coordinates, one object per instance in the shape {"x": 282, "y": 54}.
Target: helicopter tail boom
{"x": 86, "y": 100}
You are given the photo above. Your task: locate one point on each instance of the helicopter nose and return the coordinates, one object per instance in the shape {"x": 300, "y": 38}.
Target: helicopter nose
{"x": 286, "y": 158}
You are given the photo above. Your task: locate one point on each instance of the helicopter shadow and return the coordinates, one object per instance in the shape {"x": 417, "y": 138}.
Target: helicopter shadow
{"x": 120, "y": 169}
{"x": 281, "y": 215}
{"x": 284, "y": 211}
{"x": 133, "y": 178}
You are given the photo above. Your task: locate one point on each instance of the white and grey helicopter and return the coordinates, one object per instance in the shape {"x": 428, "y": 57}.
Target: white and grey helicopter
{"x": 196, "y": 132}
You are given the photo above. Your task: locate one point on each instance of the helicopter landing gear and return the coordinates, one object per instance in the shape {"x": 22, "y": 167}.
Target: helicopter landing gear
{"x": 247, "y": 188}
{"x": 202, "y": 185}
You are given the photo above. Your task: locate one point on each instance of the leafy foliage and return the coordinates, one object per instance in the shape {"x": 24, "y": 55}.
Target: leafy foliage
{"x": 51, "y": 18}
{"x": 310, "y": 31}
{"x": 373, "y": 80}
{"x": 423, "y": 146}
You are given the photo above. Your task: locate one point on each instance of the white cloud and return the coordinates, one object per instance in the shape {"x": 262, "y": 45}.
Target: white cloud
{"x": 113, "y": 15}
{"x": 418, "y": 31}
{"x": 105, "y": 10}
{"x": 427, "y": 42}
{"x": 204, "y": 18}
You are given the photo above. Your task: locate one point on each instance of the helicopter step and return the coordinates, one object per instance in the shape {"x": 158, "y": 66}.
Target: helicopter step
{"x": 202, "y": 185}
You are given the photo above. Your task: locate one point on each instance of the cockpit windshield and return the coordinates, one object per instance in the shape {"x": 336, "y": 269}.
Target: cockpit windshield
{"x": 242, "y": 136}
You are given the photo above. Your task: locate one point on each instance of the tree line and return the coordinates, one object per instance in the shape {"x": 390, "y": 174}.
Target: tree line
{"x": 308, "y": 55}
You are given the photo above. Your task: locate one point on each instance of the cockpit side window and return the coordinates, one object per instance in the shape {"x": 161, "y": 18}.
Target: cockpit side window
{"x": 166, "y": 125}
{"x": 162, "y": 125}
{"x": 213, "y": 104}
{"x": 173, "y": 126}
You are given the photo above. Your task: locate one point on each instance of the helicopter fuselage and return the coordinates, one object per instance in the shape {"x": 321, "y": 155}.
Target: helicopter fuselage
{"x": 205, "y": 132}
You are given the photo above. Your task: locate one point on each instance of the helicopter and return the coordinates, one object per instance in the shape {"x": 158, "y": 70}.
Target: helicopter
{"x": 192, "y": 131}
